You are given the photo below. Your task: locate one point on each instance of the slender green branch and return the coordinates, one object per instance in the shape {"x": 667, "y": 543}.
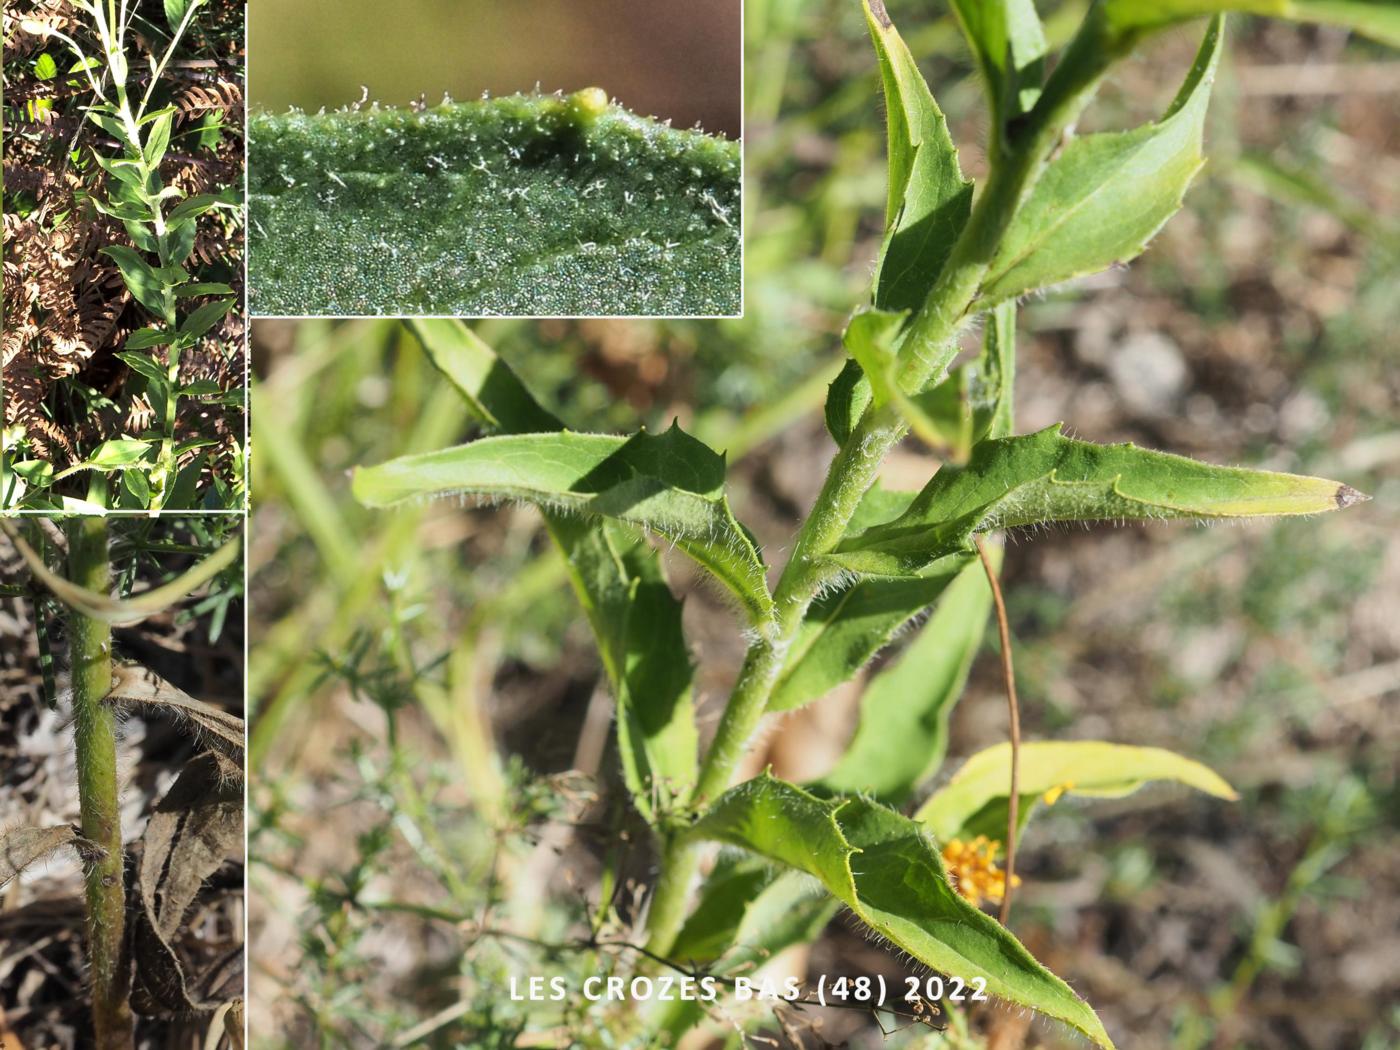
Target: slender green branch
{"x": 95, "y": 736}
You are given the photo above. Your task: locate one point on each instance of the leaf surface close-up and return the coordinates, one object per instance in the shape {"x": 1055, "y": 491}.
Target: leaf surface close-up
{"x": 519, "y": 205}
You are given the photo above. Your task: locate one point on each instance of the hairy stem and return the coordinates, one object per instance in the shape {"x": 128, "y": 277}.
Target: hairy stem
{"x": 928, "y": 347}
{"x": 95, "y": 738}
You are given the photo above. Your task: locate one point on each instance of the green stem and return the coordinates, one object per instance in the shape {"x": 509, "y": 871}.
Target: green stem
{"x": 95, "y": 738}
{"x": 928, "y": 348}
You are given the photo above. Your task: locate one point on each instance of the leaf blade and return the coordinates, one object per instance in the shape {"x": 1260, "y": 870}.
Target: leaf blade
{"x": 1086, "y": 767}
{"x": 902, "y": 734}
{"x": 669, "y": 483}
{"x": 513, "y": 206}
{"x": 1106, "y": 195}
{"x": 928, "y": 199}
{"x": 1046, "y": 477}
{"x": 886, "y": 869}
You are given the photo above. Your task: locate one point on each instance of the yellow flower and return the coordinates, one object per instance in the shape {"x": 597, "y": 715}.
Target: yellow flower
{"x": 1053, "y": 795}
{"x": 973, "y": 870}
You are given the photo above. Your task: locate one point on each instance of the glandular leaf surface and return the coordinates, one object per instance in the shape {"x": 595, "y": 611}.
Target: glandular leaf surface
{"x": 530, "y": 204}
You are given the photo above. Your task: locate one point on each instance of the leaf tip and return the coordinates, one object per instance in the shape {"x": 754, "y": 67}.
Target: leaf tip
{"x": 1347, "y": 496}
{"x": 877, "y": 10}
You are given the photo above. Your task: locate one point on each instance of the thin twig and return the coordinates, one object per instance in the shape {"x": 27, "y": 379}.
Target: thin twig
{"x": 1014, "y": 711}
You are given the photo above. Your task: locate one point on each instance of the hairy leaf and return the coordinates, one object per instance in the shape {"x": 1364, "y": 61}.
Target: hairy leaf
{"x": 1085, "y": 767}
{"x": 929, "y": 200}
{"x": 144, "y": 281}
{"x": 669, "y": 483}
{"x": 617, "y": 577}
{"x": 1009, "y": 44}
{"x": 133, "y": 684}
{"x": 494, "y": 393}
{"x": 844, "y": 629}
{"x": 1379, "y": 19}
{"x": 196, "y": 829}
{"x": 996, "y": 413}
{"x": 928, "y": 203}
{"x": 1047, "y": 477}
{"x": 902, "y": 734}
{"x": 23, "y": 846}
{"x": 747, "y": 913}
{"x": 637, "y": 623}
{"x": 1104, "y": 196}
{"x": 887, "y": 870}
{"x": 520, "y": 205}
{"x": 940, "y": 416}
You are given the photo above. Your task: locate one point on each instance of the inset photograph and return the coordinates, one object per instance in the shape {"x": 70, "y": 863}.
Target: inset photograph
{"x": 121, "y": 783}
{"x": 123, "y": 363}
{"x": 472, "y": 159}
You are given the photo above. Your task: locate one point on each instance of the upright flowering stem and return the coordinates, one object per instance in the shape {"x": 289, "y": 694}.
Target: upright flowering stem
{"x": 95, "y": 736}
{"x": 928, "y": 347}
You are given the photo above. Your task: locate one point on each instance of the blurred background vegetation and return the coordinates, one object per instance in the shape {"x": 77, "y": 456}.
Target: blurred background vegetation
{"x": 671, "y": 59}
{"x": 1259, "y": 329}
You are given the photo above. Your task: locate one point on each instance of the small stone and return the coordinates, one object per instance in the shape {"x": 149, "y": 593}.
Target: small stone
{"x": 1149, "y": 373}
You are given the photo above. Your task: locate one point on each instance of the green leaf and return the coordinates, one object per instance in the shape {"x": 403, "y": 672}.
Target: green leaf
{"x": 127, "y": 171}
{"x": 996, "y": 372}
{"x": 520, "y": 205}
{"x": 157, "y": 141}
{"x": 192, "y": 207}
{"x": 843, "y": 630}
{"x": 114, "y": 127}
{"x": 1009, "y": 45}
{"x": 175, "y": 12}
{"x": 846, "y": 400}
{"x": 494, "y": 393}
{"x": 728, "y": 890}
{"x": 616, "y": 576}
{"x": 142, "y": 235}
{"x": 902, "y": 734}
{"x": 143, "y": 280}
{"x": 180, "y": 240}
{"x": 45, "y": 68}
{"x": 110, "y": 455}
{"x": 1379, "y": 19}
{"x": 205, "y": 317}
{"x": 1104, "y": 196}
{"x": 637, "y": 623}
{"x": 669, "y": 483}
{"x": 1084, "y": 767}
{"x": 148, "y": 337}
{"x": 1047, "y": 477}
{"x": 189, "y": 291}
{"x": 929, "y": 200}
{"x": 928, "y": 203}
{"x": 941, "y": 417}
{"x": 888, "y": 871}
{"x": 746, "y": 914}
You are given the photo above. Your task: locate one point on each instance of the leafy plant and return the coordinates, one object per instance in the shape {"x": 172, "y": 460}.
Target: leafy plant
{"x": 138, "y": 937}
{"x": 157, "y": 463}
{"x": 868, "y": 561}
{"x": 542, "y": 205}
